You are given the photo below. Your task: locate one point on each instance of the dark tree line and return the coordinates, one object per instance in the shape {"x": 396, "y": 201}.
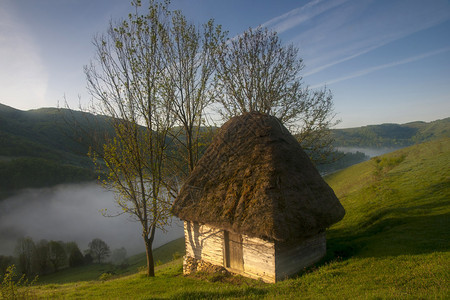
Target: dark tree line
{"x": 45, "y": 257}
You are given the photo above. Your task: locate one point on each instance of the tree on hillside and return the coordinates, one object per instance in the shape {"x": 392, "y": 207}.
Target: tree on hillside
{"x": 256, "y": 72}
{"x": 57, "y": 254}
{"x": 99, "y": 250}
{"x": 41, "y": 257}
{"x": 75, "y": 256}
{"x": 5, "y": 262}
{"x": 125, "y": 83}
{"x": 25, "y": 248}
{"x": 152, "y": 75}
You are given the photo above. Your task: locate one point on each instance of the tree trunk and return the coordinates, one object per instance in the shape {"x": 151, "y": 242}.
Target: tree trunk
{"x": 190, "y": 151}
{"x": 150, "y": 262}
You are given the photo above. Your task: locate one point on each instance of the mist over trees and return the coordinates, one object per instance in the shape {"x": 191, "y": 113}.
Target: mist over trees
{"x": 119, "y": 256}
{"x": 99, "y": 250}
{"x": 56, "y": 254}
{"x": 25, "y": 250}
{"x": 76, "y": 258}
{"x": 44, "y": 257}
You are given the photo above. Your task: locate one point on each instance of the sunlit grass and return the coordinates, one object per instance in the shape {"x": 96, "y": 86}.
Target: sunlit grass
{"x": 393, "y": 243}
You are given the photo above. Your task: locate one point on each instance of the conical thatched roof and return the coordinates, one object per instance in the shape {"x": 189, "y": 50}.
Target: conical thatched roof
{"x": 255, "y": 179}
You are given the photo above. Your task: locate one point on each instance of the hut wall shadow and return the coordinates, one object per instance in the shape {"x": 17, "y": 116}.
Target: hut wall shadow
{"x": 198, "y": 236}
{"x": 193, "y": 232}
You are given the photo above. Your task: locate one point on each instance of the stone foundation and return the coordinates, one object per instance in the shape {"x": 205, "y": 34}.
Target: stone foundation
{"x": 192, "y": 265}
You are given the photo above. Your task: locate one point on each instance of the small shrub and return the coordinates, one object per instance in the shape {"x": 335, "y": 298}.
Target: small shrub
{"x": 176, "y": 255}
{"x": 385, "y": 164}
{"x": 105, "y": 276}
{"x": 9, "y": 287}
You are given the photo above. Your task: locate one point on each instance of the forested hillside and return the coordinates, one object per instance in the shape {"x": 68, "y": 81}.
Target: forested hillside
{"x": 41, "y": 148}
{"x": 392, "y": 135}
{"x": 48, "y": 146}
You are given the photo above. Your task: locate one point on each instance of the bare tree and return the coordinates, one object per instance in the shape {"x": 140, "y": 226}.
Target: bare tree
{"x": 189, "y": 54}
{"x": 255, "y": 72}
{"x": 25, "y": 249}
{"x": 153, "y": 76}
{"x": 124, "y": 81}
{"x": 99, "y": 250}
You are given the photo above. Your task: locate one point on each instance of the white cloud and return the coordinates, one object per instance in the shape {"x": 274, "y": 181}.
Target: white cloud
{"x": 301, "y": 14}
{"x": 384, "y": 66}
{"x": 22, "y": 74}
{"x": 333, "y": 32}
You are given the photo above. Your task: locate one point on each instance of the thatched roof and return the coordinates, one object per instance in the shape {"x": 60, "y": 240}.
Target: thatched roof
{"x": 255, "y": 179}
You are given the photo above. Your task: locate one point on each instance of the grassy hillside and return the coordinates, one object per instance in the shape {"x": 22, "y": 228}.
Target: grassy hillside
{"x": 394, "y": 242}
{"x": 392, "y": 135}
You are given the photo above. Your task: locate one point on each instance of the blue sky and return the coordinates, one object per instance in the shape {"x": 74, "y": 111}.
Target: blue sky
{"x": 386, "y": 61}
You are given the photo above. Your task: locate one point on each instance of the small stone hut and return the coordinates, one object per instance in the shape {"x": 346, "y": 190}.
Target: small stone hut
{"x": 255, "y": 204}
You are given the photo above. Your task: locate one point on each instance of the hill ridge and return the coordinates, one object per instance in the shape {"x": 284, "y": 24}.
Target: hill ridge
{"x": 392, "y": 134}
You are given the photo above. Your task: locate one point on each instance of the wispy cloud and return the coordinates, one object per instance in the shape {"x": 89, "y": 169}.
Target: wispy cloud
{"x": 301, "y": 14}
{"x": 383, "y": 66}
{"x": 331, "y": 32}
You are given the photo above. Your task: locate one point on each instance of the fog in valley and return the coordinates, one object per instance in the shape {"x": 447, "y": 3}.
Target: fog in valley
{"x": 371, "y": 152}
{"x": 71, "y": 212}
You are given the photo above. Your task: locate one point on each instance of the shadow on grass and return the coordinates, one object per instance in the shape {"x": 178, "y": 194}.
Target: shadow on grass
{"x": 391, "y": 236}
{"x": 386, "y": 238}
{"x": 392, "y": 231}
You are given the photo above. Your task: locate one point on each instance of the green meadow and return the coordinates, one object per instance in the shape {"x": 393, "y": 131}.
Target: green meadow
{"x": 394, "y": 242}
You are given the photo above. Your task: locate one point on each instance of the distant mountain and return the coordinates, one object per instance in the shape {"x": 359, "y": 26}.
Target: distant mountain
{"x": 358, "y": 144}
{"x": 391, "y": 135}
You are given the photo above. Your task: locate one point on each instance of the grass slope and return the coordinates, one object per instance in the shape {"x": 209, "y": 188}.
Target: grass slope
{"x": 394, "y": 242}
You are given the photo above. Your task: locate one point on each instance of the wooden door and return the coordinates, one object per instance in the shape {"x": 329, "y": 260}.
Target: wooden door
{"x": 233, "y": 251}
